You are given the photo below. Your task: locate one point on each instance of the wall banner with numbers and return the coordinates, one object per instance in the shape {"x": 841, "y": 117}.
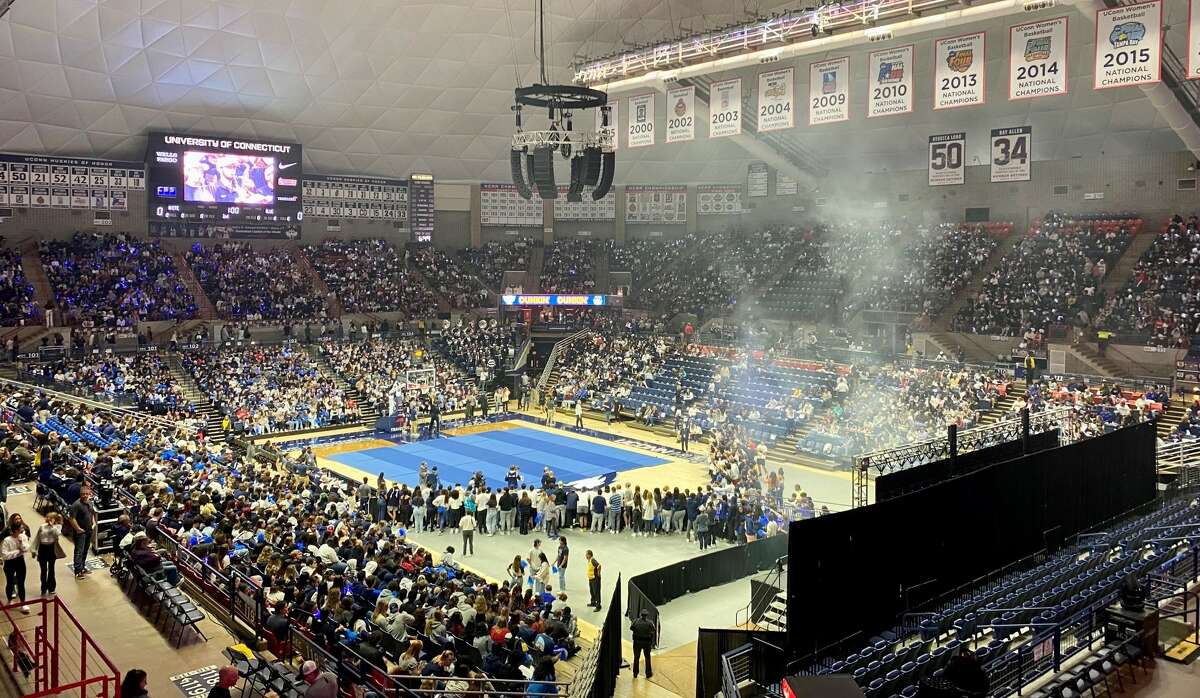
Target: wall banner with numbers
{"x": 39, "y": 197}
{"x": 829, "y": 91}
{"x": 1012, "y": 154}
{"x": 776, "y": 100}
{"x": 785, "y": 185}
{"x": 890, "y": 81}
{"x": 725, "y": 108}
{"x": 681, "y": 114}
{"x": 1129, "y": 45}
{"x": 1037, "y": 59}
{"x": 641, "y": 121}
{"x": 343, "y": 196}
{"x": 947, "y": 159}
{"x": 655, "y": 204}
{"x": 500, "y": 204}
{"x": 1193, "y": 41}
{"x": 959, "y": 71}
{"x": 718, "y": 200}
{"x": 587, "y": 210}
{"x": 758, "y": 180}
{"x": 59, "y": 173}
{"x": 613, "y": 123}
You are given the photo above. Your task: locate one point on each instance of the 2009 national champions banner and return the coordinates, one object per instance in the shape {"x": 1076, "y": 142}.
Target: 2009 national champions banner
{"x": 829, "y": 91}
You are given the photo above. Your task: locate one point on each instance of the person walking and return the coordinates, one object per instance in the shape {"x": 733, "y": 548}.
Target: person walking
{"x": 467, "y": 526}
{"x": 13, "y": 550}
{"x": 644, "y": 633}
{"x": 83, "y": 523}
{"x": 578, "y": 413}
{"x": 516, "y": 573}
{"x": 49, "y": 551}
{"x": 560, "y": 561}
{"x": 592, "y": 566}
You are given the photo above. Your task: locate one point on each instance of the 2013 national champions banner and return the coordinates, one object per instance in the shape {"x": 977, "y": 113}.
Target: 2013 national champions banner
{"x": 39, "y": 181}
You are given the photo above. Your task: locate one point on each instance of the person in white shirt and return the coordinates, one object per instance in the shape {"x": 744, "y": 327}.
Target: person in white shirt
{"x": 48, "y": 548}
{"x": 13, "y": 550}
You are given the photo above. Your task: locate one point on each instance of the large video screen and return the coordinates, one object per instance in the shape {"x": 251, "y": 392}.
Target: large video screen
{"x": 202, "y": 184}
{"x": 226, "y": 178}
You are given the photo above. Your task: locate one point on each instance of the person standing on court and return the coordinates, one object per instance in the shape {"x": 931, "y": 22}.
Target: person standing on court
{"x": 578, "y": 413}
{"x": 593, "y": 577}
{"x": 560, "y": 561}
{"x": 467, "y": 526}
{"x": 82, "y": 518}
{"x": 13, "y": 550}
{"x": 643, "y": 640}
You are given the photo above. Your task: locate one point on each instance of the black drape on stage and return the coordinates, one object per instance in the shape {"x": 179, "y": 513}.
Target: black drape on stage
{"x": 912, "y": 479}
{"x": 856, "y": 571}
{"x": 708, "y": 570}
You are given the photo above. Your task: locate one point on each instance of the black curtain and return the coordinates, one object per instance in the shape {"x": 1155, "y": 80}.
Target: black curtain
{"x": 911, "y": 479}
{"x": 856, "y": 571}
{"x": 608, "y": 662}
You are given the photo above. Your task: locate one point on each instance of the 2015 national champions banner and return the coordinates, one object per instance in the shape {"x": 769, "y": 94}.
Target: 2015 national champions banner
{"x": 39, "y": 181}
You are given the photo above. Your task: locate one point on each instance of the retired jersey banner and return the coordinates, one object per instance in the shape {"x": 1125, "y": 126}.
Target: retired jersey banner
{"x": 829, "y": 91}
{"x": 890, "y": 81}
{"x": 959, "y": 74}
{"x": 641, "y": 121}
{"x": 947, "y": 159}
{"x": 681, "y": 114}
{"x": 1012, "y": 154}
{"x": 1129, "y": 45}
{"x": 1037, "y": 59}
{"x": 725, "y": 108}
{"x": 776, "y": 100}
{"x": 1193, "y": 61}
{"x": 614, "y": 122}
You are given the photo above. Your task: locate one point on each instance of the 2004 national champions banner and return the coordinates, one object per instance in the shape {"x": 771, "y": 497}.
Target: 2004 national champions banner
{"x": 776, "y": 100}
{"x": 829, "y": 91}
{"x": 681, "y": 114}
{"x": 959, "y": 73}
{"x": 890, "y": 81}
{"x": 1037, "y": 59}
{"x": 1129, "y": 45}
{"x": 641, "y": 121}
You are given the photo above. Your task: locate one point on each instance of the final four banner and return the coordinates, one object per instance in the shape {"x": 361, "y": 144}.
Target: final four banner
{"x": 725, "y": 109}
{"x": 890, "y": 81}
{"x": 681, "y": 114}
{"x": 959, "y": 73}
{"x": 614, "y": 123}
{"x": 1129, "y": 45}
{"x": 829, "y": 91}
{"x": 776, "y": 100}
{"x": 641, "y": 121}
{"x": 1037, "y": 59}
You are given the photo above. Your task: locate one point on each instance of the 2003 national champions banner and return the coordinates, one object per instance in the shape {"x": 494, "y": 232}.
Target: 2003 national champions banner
{"x": 890, "y": 81}
{"x": 959, "y": 74}
{"x": 1129, "y": 45}
{"x": 1037, "y": 59}
{"x": 725, "y": 109}
{"x": 776, "y": 100}
{"x": 681, "y": 114}
{"x": 829, "y": 91}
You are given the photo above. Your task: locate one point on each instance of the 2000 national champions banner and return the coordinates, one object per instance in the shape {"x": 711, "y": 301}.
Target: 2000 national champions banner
{"x": 641, "y": 121}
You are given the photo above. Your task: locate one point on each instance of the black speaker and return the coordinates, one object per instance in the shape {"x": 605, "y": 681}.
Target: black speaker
{"x": 543, "y": 172}
{"x": 529, "y": 169}
{"x": 591, "y": 166}
{"x": 518, "y": 178}
{"x": 575, "y": 191}
{"x": 606, "y": 177}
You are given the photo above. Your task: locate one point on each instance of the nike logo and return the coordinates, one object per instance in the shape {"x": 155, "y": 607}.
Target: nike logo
{"x": 290, "y": 164}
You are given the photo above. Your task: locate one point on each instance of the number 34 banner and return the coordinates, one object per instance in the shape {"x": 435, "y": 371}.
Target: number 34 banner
{"x": 946, "y": 159}
{"x": 1011, "y": 154}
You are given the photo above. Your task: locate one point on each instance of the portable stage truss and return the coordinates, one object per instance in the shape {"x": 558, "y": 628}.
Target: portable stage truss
{"x": 955, "y": 442}
{"x": 48, "y": 653}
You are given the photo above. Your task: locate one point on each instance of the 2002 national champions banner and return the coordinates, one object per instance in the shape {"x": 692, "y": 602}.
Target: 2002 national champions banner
{"x": 681, "y": 114}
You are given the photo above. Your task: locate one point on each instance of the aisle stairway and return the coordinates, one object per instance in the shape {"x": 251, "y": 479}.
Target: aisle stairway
{"x": 1121, "y": 272}
{"x": 333, "y": 305}
{"x": 369, "y": 413}
{"x": 204, "y": 406}
{"x": 533, "y": 275}
{"x": 1172, "y": 417}
{"x": 600, "y": 264}
{"x": 35, "y": 274}
{"x": 944, "y": 319}
{"x": 204, "y": 307}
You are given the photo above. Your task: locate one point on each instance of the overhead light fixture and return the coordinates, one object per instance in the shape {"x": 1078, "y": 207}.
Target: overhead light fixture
{"x": 878, "y": 34}
{"x": 1035, "y": 5}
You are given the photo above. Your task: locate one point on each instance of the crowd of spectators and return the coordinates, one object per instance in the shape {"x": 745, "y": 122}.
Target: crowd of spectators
{"x": 114, "y": 280}
{"x": 248, "y": 283}
{"x": 142, "y": 379}
{"x": 1052, "y": 277}
{"x": 16, "y": 294}
{"x": 603, "y": 369}
{"x": 371, "y": 276}
{"x": 569, "y": 267}
{"x": 460, "y": 288}
{"x": 262, "y": 389}
{"x": 493, "y": 258}
{"x": 1161, "y": 303}
{"x": 483, "y": 349}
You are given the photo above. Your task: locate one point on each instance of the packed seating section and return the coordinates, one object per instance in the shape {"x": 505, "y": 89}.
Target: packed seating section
{"x": 370, "y": 276}
{"x": 248, "y": 283}
{"x": 16, "y": 294}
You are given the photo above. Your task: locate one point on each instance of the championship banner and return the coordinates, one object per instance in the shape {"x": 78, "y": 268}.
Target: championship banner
{"x": 1012, "y": 154}
{"x": 1037, "y": 59}
{"x": 758, "y": 180}
{"x": 655, "y": 204}
{"x": 829, "y": 91}
{"x": 776, "y": 100}
{"x": 725, "y": 109}
{"x": 718, "y": 200}
{"x": 681, "y": 114}
{"x": 1129, "y": 45}
{"x": 959, "y": 74}
{"x": 40, "y": 197}
{"x": 1193, "y": 61}
{"x": 614, "y": 120}
{"x": 890, "y": 82}
{"x": 946, "y": 159}
{"x": 640, "y": 132}
{"x": 605, "y": 209}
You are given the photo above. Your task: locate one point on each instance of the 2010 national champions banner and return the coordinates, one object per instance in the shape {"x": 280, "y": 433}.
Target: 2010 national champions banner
{"x": 1129, "y": 45}
{"x": 776, "y": 100}
{"x": 681, "y": 114}
{"x": 959, "y": 71}
{"x": 890, "y": 81}
{"x": 1037, "y": 59}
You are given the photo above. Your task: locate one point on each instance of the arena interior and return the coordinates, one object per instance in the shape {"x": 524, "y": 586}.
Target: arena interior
{"x": 482, "y": 348}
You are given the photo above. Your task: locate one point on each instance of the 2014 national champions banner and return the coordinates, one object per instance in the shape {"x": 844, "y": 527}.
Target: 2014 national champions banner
{"x": 40, "y": 181}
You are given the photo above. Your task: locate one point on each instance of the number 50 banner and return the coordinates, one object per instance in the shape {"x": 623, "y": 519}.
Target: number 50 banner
{"x": 1129, "y": 45}
{"x": 946, "y": 159}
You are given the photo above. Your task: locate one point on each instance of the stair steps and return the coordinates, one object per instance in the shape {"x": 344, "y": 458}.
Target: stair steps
{"x": 213, "y": 430}
{"x": 204, "y": 307}
{"x": 35, "y": 274}
{"x": 368, "y": 413}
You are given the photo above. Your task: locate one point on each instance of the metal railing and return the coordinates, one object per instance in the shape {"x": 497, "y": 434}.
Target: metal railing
{"x": 553, "y": 359}
{"x": 106, "y": 407}
{"x": 1180, "y": 459}
{"x": 66, "y": 659}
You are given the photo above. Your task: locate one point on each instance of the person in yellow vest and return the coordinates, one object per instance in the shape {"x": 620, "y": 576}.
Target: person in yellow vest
{"x": 1103, "y": 337}
{"x": 1030, "y": 368}
{"x": 592, "y": 565}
